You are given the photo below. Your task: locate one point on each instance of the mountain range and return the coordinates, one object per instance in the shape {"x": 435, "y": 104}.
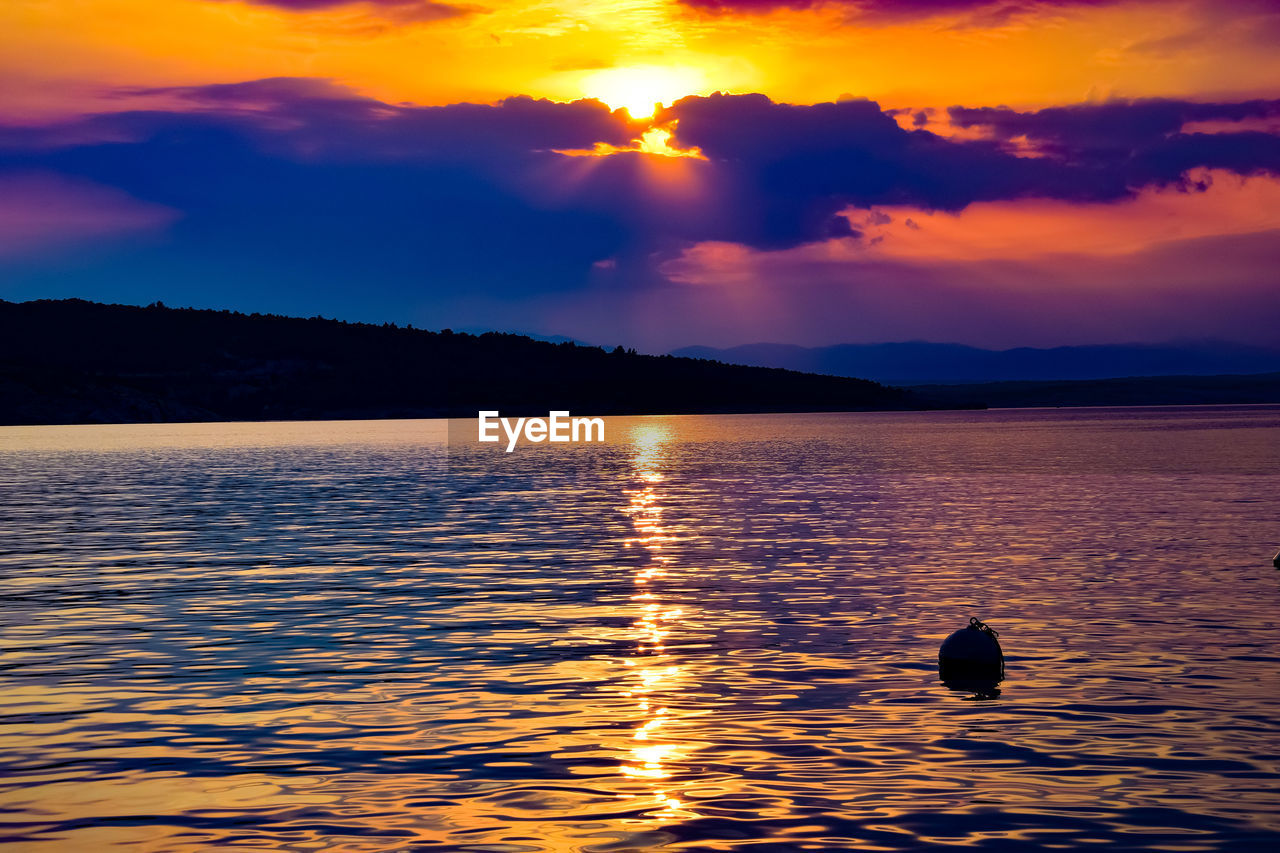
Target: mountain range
{"x": 924, "y": 363}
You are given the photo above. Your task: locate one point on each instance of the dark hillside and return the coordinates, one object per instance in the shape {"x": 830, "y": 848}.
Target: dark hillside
{"x": 71, "y": 361}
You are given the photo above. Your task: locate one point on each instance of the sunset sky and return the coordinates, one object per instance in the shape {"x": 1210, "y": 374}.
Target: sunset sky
{"x": 656, "y": 174}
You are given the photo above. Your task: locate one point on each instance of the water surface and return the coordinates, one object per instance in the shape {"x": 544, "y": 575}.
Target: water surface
{"x": 709, "y": 633}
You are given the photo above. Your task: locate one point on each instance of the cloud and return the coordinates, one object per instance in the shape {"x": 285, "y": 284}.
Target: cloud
{"x": 1037, "y": 229}
{"x": 300, "y": 181}
{"x": 1100, "y": 131}
{"x": 1216, "y": 286}
{"x": 316, "y": 117}
{"x": 773, "y": 175}
{"x": 1243, "y": 22}
{"x": 749, "y": 7}
{"x": 780, "y": 172}
{"x": 994, "y": 12}
{"x": 325, "y": 198}
{"x": 794, "y": 167}
{"x": 41, "y": 211}
{"x": 400, "y": 11}
{"x": 1141, "y": 143}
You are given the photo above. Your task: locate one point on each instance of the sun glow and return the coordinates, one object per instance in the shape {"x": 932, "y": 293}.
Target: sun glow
{"x": 640, "y": 89}
{"x": 657, "y": 140}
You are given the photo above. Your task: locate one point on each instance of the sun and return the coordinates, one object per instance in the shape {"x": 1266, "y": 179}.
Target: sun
{"x": 640, "y": 88}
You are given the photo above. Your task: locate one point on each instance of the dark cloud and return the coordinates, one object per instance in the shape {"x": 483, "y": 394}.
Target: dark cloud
{"x": 1106, "y": 130}
{"x": 297, "y": 184}
{"x": 995, "y": 12}
{"x": 790, "y": 169}
{"x": 1140, "y": 143}
{"x": 298, "y": 179}
{"x": 749, "y": 7}
{"x": 314, "y": 117}
{"x": 404, "y": 11}
{"x": 793, "y": 167}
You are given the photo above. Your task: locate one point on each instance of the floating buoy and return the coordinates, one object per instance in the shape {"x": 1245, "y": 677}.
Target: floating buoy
{"x": 971, "y": 654}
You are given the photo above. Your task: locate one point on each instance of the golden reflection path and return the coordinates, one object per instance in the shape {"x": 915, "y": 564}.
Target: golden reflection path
{"x": 653, "y": 676}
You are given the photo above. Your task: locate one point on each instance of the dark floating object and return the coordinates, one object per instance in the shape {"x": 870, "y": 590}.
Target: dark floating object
{"x": 971, "y": 660}
{"x": 1275, "y": 561}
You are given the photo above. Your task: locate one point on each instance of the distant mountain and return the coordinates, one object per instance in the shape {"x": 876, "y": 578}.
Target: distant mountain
{"x": 919, "y": 362}
{"x": 71, "y": 361}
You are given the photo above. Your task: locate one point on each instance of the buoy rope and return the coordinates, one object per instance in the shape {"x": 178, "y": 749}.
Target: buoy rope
{"x": 975, "y": 622}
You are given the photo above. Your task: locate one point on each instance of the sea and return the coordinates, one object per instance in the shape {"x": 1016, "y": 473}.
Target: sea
{"x": 706, "y": 633}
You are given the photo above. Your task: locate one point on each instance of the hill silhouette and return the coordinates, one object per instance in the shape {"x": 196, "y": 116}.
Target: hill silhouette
{"x": 925, "y": 363}
{"x": 72, "y": 361}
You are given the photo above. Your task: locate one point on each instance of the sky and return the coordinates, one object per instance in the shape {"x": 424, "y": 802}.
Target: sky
{"x": 656, "y": 174}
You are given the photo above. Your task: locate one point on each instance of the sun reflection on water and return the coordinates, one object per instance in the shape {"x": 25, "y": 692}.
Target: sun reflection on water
{"x": 653, "y": 677}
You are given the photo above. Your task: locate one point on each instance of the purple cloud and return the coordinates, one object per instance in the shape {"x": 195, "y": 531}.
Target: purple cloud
{"x": 306, "y": 174}
{"x": 41, "y": 211}
{"x": 298, "y": 192}
{"x": 1106, "y": 129}
{"x": 404, "y": 11}
{"x": 793, "y": 167}
{"x": 893, "y": 9}
{"x": 775, "y": 175}
{"x": 294, "y": 115}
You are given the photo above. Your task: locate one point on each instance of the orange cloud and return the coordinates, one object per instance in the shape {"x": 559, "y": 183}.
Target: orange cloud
{"x": 1036, "y": 228}
{"x": 435, "y": 53}
{"x": 1030, "y": 231}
